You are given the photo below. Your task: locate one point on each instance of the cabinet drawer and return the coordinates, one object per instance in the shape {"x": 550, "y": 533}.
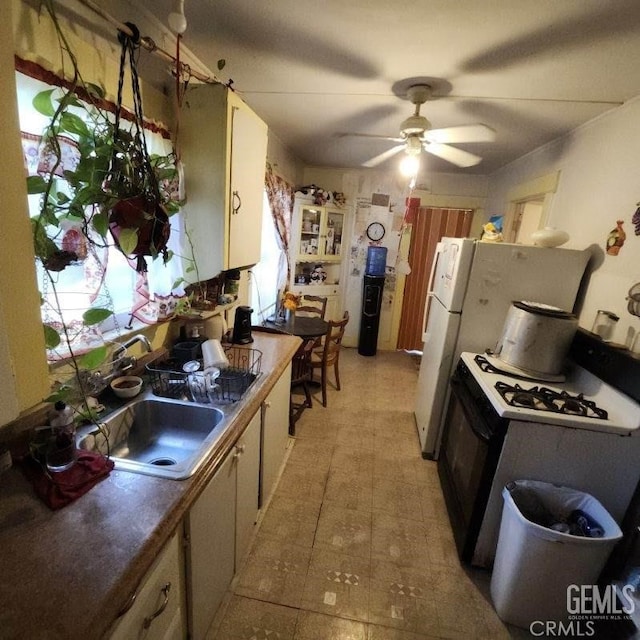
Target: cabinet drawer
{"x": 158, "y": 607}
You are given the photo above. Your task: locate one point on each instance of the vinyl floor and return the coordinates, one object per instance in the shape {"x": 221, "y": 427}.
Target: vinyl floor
{"x": 355, "y": 543}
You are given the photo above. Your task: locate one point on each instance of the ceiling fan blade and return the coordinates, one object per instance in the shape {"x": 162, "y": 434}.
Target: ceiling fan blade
{"x": 451, "y": 154}
{"x": 465, "y": 133}
{"x": 369, "y": 135}
{"x": 385, "y": 155}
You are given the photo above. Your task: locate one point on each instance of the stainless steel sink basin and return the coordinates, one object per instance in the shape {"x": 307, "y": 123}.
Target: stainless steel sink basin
{"x": 158, "y": 436}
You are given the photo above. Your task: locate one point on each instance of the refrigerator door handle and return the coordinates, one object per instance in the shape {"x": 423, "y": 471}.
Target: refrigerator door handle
{"x": 430, "y": 292}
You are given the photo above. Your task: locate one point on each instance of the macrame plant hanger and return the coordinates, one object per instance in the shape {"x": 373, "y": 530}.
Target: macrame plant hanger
{"x": 138, "y": 221}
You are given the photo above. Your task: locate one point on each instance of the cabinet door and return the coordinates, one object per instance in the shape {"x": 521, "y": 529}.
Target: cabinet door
{"x": 332, "y": 232}
{"x": 158, "y": 610}
{"x": 275, "y": 432}
{"x": 210, "y": 529}
{"x": 311, "y": 221}
{"x": 248, "y": 157}
{"x": 248, "y": 481}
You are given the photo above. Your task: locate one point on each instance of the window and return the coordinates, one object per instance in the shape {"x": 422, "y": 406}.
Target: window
{"x": 264, "y": 291}
{"x": 103, "y": 277}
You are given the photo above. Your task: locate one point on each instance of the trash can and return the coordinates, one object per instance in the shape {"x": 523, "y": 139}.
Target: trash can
{"x": 537, "y": 558}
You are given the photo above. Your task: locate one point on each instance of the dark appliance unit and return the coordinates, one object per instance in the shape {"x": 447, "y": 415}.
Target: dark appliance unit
{"x": 469, "y": 456}
{"x": 242, "y": 326}
{"x": 370, "y": 316}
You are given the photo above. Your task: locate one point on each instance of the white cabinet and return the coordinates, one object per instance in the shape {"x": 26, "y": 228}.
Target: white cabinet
{"x": 158, "y": 609}
{"x": 317, "y": 250}
{"x": 224, "y": 148}
{"x": 275, "y": 433}
{"x": 248, "y": 482}
{"x": 218, "y": 529}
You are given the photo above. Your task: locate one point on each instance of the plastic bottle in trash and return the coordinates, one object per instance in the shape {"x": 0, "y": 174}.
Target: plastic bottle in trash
{"x": 582, "y": 524}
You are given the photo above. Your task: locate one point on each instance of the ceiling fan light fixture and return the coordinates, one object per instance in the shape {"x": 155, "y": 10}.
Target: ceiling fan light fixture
{"x": 410, "y": 165}
{"x": 414, "y": 124}
{"x": 413, "y": 145}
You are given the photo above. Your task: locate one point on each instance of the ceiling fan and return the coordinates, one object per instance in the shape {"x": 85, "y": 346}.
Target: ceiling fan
{"x": 416, "y": 134}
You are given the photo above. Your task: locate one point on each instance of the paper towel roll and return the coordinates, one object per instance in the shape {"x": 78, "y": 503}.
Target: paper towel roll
{"x": 215, "y": 327}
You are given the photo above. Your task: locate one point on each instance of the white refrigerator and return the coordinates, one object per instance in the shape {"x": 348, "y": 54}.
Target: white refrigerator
{"x": 471, "y": 287}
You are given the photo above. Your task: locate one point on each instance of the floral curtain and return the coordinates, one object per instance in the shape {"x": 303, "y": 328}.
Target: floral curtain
{"x": 281, "y": 199}
{"x": 103, "y": 276}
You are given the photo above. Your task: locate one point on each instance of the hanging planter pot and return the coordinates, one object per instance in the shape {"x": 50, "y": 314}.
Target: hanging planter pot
{"x": 140, "y": 227}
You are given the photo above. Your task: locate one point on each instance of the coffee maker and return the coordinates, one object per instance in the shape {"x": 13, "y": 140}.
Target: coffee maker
{"x": 242, "y": 326}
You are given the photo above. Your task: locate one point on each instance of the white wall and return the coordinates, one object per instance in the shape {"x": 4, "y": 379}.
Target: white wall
{"x": 599, "y": 184}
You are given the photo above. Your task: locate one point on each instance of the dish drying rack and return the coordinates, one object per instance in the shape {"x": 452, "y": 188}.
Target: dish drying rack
{"x": 168, "y": 380}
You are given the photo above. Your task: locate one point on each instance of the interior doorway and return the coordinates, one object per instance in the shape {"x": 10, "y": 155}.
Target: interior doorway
{"x": 430, "y": 225}
{"x": 528, "y": 207}
{"x": 527, "y": 219}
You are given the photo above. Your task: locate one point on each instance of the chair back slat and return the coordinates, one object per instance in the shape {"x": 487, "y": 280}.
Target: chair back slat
{"x": 314, "y": 306}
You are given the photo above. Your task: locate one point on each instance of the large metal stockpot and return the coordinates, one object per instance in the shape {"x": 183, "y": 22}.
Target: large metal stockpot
{"x": 536, "y": 338}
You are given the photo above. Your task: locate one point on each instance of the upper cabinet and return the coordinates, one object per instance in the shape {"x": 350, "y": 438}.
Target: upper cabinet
{"x": 320, "y": 233}
{"x": 224, "y": 149}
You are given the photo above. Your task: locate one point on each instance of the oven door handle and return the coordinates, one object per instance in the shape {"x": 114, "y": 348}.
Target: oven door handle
{"x": 474, "y": 417}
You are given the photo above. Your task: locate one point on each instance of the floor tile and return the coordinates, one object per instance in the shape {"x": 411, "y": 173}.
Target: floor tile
{"x": 398, "y": 540}
{"x": 337, "y": 584}
{"x": 399, "y": 499}
{"x": 353, "y": 460}
{"x": 291, "y": 520}
{"x": 378, "y": 632}
{"x": 303, "y": 481}
{"x": 247, "y": 619}
{"x": 311, "y": 452}
{"x": 349, "y": 489}
{"x": 316, "y": 626}
{"x": 344, "y": 530}
{"x": 274, "y": 572}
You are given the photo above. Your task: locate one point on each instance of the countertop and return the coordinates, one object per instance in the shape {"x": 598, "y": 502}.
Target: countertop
{"x": 68, "y": 573}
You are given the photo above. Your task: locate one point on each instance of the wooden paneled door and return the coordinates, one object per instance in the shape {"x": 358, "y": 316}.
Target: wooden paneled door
{"x": 429, "y": 226}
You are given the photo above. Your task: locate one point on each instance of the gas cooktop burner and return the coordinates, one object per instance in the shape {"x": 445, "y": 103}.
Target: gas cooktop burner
{"x": 490, "y": 364}
{"x": 545, "y": 399}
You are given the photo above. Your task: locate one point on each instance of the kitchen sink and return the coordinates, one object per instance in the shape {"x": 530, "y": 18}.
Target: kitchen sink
{"x": 157, "y": 436}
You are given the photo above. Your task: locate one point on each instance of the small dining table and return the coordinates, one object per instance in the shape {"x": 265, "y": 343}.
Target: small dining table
{"x": 308, "y": 328}
{"x": 305, "y": 327}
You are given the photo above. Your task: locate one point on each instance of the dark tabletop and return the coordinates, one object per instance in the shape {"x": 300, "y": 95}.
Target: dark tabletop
{"x": 304, "y": 327}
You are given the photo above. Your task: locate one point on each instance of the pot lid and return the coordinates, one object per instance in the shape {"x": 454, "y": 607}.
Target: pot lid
{"x": 543, "y": 309}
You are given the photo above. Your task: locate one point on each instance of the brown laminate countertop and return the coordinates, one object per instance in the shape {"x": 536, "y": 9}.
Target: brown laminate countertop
{"x": 66, "y": 574}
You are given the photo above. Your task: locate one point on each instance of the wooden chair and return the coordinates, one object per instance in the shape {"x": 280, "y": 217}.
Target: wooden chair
{"x": 328, "y": 355}
{"x": 312, "y": 306}
{"x": 301, "y": 374}
{"x": 315, "y": 306}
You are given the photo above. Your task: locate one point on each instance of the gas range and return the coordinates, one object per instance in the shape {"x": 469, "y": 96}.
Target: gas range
{"x": 581, "y": 401}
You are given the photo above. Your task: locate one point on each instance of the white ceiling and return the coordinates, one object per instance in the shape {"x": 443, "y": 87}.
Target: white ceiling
{"x": 530, "y": 69}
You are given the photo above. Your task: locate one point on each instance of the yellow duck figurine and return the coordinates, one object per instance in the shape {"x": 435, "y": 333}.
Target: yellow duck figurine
{"x": 490, "y": 233}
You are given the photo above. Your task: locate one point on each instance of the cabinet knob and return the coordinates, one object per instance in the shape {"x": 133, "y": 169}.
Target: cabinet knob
{"x": 239, "y": 450}
{"x": 267, "y": 403}
{"x": 236, "y": 203}
{"x": 149, "y": 619}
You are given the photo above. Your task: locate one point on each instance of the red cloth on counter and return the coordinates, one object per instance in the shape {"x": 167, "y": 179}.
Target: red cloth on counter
{"x": 59, "y": 489}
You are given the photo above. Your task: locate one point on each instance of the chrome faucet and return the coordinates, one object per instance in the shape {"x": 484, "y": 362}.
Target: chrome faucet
{"x": 131, "y": 341}
{"x": 96, "y": 381}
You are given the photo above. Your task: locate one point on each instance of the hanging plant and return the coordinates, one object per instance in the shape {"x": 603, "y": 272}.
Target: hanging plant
{"x": 138, "y": 222}
{"x": 97, "y": 183}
